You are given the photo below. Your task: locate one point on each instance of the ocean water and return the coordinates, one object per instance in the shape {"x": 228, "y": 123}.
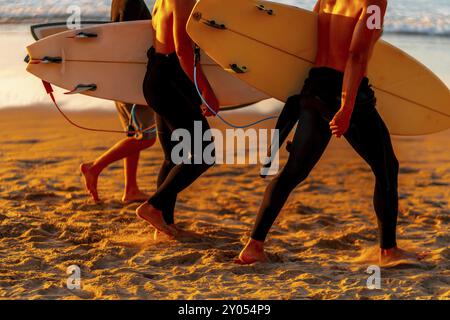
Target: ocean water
{"x": 419, "y": 27}
{"x": 430, "y": 17}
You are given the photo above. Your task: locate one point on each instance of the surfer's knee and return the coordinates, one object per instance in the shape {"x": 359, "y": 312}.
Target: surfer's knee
{"x": 293, "y": 174}
{"x": 146, "y": 143}
{"x": 395, "y": 164}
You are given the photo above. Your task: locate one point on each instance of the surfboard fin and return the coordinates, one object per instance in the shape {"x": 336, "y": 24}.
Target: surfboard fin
{"x": 214, "y": 24}
{"x": 82, "y": 88}
{"x": 84, "y": 35}
{"x": 47, "y": 59}
{"x": 264, "y": 9}
{"x": 234, "y": 68}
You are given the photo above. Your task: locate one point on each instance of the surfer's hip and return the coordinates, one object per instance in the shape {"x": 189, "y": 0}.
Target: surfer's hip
{"x": 325, "y": 84}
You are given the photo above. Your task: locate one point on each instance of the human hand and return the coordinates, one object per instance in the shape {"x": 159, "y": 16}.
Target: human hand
{"x": 340, "y": 123}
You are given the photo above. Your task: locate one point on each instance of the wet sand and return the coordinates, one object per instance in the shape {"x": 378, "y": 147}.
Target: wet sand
{"x": 318, "y": 245}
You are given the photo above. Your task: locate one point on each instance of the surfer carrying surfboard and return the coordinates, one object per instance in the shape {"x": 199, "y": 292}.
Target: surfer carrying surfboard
{"x": 169, "y": 89}
{"x": 130, "y": 147}
{"x": 337, "y": 99}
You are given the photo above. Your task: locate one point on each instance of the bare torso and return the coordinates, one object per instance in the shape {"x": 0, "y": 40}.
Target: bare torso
{"x": 162, "y": 22}
{"x": 337, "y": 22}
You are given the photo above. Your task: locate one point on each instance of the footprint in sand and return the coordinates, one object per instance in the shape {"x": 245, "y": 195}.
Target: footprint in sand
{"x": 38, "y": 196}
{"x": 28, "y": 164}
{"x": 435, "y": 203}
{"x": 305, "y": 210}
{"x": 186, "y": 259}
{"x": 408, "y": 170}
{"x": 22, "y": 142}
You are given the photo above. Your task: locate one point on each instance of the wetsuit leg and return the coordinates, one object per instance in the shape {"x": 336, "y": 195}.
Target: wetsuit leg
{"x": 169, "y": 99}
{"x": 288, "y": 117}
{"x": 181, "y": 175}
{"x": 286, "y": 121}
{"x": 310, "y": 141}
{"x": 164, "y": 135}
{"x": 370, "y": 138}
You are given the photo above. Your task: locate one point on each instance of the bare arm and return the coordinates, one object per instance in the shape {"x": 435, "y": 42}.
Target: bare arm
{"x": 184, "y": 44}
{"x": 361, "y": 46}
{"x": 364, "y": 38}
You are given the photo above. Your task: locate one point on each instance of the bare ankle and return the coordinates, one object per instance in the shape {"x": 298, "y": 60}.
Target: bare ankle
{"x": 385, "y": 251}
{"x": 256, "y": 244}
{"x": 134, "y": 189}
{"x": 91, "y": 168}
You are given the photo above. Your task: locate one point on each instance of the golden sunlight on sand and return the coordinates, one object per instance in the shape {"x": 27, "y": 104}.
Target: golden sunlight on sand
{"x": 320, "y": 246}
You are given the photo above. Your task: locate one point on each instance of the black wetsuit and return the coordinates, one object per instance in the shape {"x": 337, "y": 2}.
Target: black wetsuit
{"x": 173, "y": 97}
{"x": 286, "y": 121}
{"x": 320, "y": 100}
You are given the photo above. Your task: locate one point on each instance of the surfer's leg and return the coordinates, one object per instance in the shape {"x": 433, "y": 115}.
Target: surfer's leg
{"x": 183, "y": 174}
{"x": 286, "y": 121}
{"x": 164, "y": 135}
{"x": 310, "y": 141}
{"x": 369, "y": 136}
{"x": 172, "y": 95}
{"x": 132, "y": 193}
{"x": 158, "y": 210}
{"x": 128, "y": 148}
{"x": 121, "y": 150}
{"x": 144, "y": 118}
{"x": 288, "y": 117}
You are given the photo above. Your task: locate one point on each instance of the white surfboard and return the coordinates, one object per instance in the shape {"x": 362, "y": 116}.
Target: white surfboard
{"x": 109, "y": 61}
{"x": 40, "y": 31}
{"x": 272, "y": 46}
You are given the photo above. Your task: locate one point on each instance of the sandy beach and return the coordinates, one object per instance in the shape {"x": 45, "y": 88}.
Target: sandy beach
{"x": 318, "y": 245}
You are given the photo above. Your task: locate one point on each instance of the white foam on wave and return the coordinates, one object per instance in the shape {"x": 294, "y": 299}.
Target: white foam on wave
{"x": 428, "y": 17}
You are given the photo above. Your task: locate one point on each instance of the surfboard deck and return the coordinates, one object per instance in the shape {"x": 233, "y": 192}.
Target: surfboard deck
{"x": 115, "y": 59}
{"x": 276, "y": 49}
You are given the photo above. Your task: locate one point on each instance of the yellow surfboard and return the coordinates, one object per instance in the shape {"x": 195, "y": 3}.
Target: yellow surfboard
{"x": 272, "y": 46}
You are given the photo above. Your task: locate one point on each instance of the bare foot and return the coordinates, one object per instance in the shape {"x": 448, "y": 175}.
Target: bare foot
{"x": 252, "y": 252}
{"x": 397, "y": 256}
{"x": 134, "y": 196}
{"x": 90, "y": 180}
{"x": 154, "y": 216}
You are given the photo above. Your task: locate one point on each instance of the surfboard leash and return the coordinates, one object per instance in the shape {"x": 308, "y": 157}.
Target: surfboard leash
{"x": 228, "y": 123}
{"x": 49, "y": 89}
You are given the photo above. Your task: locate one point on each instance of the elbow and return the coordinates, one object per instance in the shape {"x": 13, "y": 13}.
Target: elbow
{"x": 180, "y": 51}
{"x": 183, "y": 50}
